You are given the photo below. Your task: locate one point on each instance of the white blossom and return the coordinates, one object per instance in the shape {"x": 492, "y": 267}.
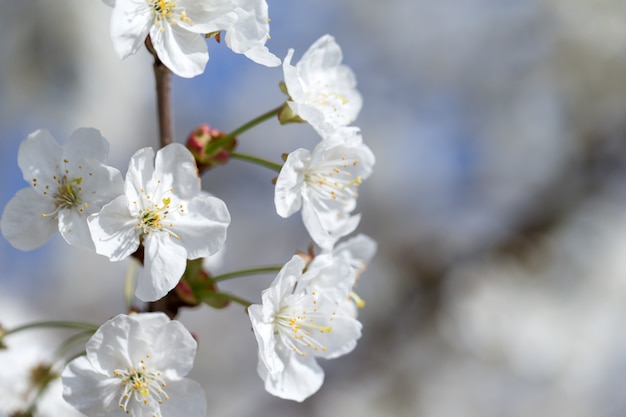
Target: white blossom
{"x": 164, "y": 209}
{"x": 136, "y": 365}
{"x": 322, "y": 91}
{"x": 295, "y": 325}
{"x": 176, "y": 29}
{"x": 68, "y": 184}
{"x": 324, "y": 184}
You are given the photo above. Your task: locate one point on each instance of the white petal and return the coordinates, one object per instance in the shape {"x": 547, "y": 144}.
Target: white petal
{"x": 74, "y": 229}
{"x": 176, "y": 167}
{"x": 88, "y": 390}
{"x": 131, "y": 21}
{"x": 266, "y": 340}
{"x": 114, "y": 230}
{"x": 360, "y": 247}
{"x": 313, "y": 115}
{"x": 22, "y": 223}
{"x": 284, "y": 283}
{"x": 324, "y": 52}
{"x": 182, "y": 51}
{"x": 249, "y": 33}
{"x": 202, "y": 230}
{"x": 288, "y": 190}
{"x": 208, "y": 16}
{"x": 301, "y": 378}
{"x": 346, "y": 330}
{"x": 330, "y": 274}
{"x": 140, "y": 171}
{"x": 261, "y": 55}
{"x": 327, "y": 227}
{"x": 164, "y": 263}
{"x": 108, "y": 348}
{"x": 174, "y": 349}
{"x": 187, "y": 398}
{"x": 100, "y": 185}
{"x": 39, "y": 156}
{"x": 86, "y": 143}
{"x": 291, "y": 78}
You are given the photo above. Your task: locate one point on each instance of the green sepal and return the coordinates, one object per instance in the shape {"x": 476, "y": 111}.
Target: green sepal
{"x": 286, "y": 115}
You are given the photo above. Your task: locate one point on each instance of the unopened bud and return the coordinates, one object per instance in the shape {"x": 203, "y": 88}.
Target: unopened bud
{"x": 204, "y": 144}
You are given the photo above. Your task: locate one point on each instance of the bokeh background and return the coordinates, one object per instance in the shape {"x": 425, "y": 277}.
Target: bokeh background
{"x": 498, "y": 199}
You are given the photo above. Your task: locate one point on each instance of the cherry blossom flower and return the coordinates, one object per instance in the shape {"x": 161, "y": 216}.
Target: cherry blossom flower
{"x": 322, "y": 91}
{"x": 67, "y": 185}
{"x": 324, "y": 184}
{"x": 295, "y": 325}
{"x": 164, "y": 209}
{"x": 176, "y": 29}
{"x": 136, "y": 365}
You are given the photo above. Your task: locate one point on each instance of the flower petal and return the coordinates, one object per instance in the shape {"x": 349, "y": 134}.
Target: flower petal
{"x": 325, "y": 226}
{"x": 22, "y": 223}
{"x": 140, "y": 171}
{"x": 86, "y": 143}
{"x": 165, "y": 261}
{"x": 187, "y": 398}
{"x": 184, "y": 52}
{"x": 74, "y": 229}
{"x": 202, "y": 230}
{"x": 301, "y": 378}
{"x": 114, "y": 231}
{"x": 89, "y": 391}
{"x": 174, "y": 348}
{"x": 176, "y": 167}
{"x": 39, "y": 156}
{"x": 288, "y": 194}
{"x": 130, "y": 24}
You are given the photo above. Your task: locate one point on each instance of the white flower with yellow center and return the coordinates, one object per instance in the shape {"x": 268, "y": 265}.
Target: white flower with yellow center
{"x": 67, "y": 185}
{"x": 296, "y": 325}
{"x": 163, "y": 209}
{"x": 176, "y": 29}
{"x": 136, "y": 365}
{"x": 324, "y": 184}
{"x": 322, "y": 91}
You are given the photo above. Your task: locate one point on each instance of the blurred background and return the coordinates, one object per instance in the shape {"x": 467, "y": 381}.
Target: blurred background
{"x": 498, "y": 200}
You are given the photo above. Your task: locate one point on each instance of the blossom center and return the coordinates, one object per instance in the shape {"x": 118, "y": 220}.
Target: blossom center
{"x": 166, "y": 10}
{"x": 299, "y": 328}
{"x": 141, "y": 386}
{"x": 68, "y": 191}
{"x": 154, "y": 218}
{"x": 333, "y": 179}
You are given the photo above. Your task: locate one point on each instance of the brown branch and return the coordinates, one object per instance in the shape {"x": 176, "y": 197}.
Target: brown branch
{"x": 163, "y": 78}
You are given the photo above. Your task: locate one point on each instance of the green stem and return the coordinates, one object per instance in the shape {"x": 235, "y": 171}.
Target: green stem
{"x": 69, "y": 343}
{"x": 245, "y": 272}
{"x": 247, "y": 126}
{"x": 51, "y": 324}
{"x": 234, "y": 298}
{"x": 259, "y": 161}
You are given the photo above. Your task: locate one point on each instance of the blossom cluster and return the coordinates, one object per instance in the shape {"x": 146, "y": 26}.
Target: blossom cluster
{"x": 158, "y": 213}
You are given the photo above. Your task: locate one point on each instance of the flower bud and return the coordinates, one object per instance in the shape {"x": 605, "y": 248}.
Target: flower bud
{"x": 207, "y": 147}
